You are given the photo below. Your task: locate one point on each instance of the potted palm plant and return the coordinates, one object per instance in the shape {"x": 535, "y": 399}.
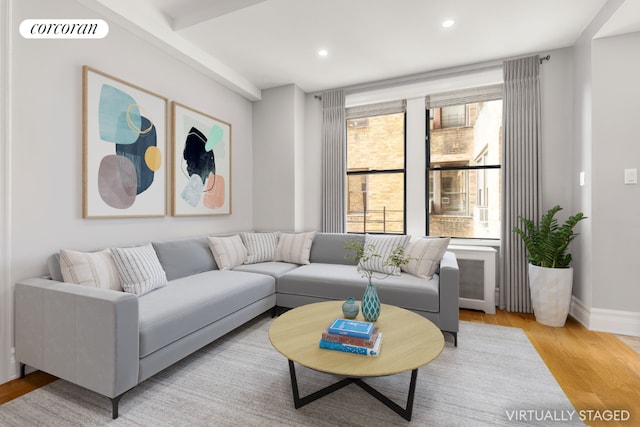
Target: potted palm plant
{"x": 550, "y": 271}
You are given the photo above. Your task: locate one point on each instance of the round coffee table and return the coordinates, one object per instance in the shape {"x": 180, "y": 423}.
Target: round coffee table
{"x": 409, "y": 341}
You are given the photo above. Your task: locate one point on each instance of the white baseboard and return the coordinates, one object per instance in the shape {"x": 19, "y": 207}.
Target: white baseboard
{"x": 14, "y": 370}
{"x": 605, "y": 320}
{"x": 579, "y": 311}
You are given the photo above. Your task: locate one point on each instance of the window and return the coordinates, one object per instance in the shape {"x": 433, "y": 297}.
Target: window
{"x": 376, "y": 173}
{"x": 463, "y": 170}
{"x": 454, "y": 116}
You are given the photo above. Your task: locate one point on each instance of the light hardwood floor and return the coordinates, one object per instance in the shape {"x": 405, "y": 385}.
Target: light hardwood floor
{"x": 596, "y": 370}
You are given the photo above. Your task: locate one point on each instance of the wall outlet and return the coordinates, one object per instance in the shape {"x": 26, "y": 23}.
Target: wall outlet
{"x": 631, "y": 176}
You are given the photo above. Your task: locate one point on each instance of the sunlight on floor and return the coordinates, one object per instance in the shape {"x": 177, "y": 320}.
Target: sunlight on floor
{"x": 632, "y": 342}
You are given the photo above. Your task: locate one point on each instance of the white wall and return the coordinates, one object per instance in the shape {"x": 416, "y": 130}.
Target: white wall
{"x": 582, "y": 162}
{"x": 278, "y": 149}
{"x": 312, "y": 210}
{"x": 46, "y": 143}
{"x": 616, "y": 146}
{"x": 6, "y": 300}
{"x": 558, "y": 182}
{"x": 606, "y": 291}
{"x": 298, "y": 146}
{"x": 582, "y": 200}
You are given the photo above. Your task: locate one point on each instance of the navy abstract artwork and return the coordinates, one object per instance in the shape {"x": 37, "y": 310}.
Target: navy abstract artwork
{"x": 199, "y": 161}
{"x": 202, "y": 163}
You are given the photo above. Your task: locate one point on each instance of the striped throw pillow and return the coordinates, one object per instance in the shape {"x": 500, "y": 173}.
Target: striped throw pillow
{"x": 228, "y": 251}
{"x": 425, "y": 254}
{"x": 95, "y": 269}
{"x": 383, "y": 246}
{"x": 261, "y": 247}
{"x": 139, "y": 269}
{"x": 294, "y": 248}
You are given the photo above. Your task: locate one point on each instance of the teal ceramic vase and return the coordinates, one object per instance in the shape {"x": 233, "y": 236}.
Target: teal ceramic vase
{"x": 350, "y": 308}
{"x": 370, "y": 304}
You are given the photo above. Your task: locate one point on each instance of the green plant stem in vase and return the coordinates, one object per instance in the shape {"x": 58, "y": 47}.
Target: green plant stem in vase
{"x": 370, "y": 304}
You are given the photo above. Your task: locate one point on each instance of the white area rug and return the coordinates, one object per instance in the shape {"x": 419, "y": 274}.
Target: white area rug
{"x": 240, "y": 380}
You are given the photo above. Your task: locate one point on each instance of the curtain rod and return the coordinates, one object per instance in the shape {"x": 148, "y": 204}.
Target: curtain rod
{"x": 383, "y": 83}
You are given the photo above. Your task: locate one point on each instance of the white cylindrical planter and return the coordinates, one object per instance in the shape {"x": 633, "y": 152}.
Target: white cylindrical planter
{"x": 550, "y": 294}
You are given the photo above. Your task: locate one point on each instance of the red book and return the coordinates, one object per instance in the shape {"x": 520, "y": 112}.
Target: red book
{"x": 343, "y": 339}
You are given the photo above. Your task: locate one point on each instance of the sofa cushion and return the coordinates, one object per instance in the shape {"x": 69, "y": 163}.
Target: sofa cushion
{"x": 184, "y": 257}
{"x": 53, "y": 265}
{"x": 95, "y": 269}
{"x": 425, "y": 254}
{"x": 139, "y": 269}
{"x": 261, "y": 247}
{"x": 337, "y": 282}
{"x": 329, "y": 248}
{"x": 190, "y": 303}
{"x": 273, "y": 268}
{"x": 382, "y": 246}
{"x": 228, "y": 251}
{"x": 294, "y": 248}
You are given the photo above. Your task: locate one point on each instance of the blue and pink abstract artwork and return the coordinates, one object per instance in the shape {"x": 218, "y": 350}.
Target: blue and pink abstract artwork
{"x": 130, "y": 170}
{"x": 122, "y": 146}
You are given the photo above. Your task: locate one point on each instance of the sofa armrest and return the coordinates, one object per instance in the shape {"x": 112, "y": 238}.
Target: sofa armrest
{"x": 449, "y": 293}
{"x": 87, "y": 336}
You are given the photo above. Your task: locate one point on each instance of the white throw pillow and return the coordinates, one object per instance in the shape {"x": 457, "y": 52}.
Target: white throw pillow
{"x": 294, "y": 248}
{"x": 383, "y": 246}
{"x": 228, "y": 251}
{"x": 95, "y": 269}
{"x": 139, "y": 268}
{"x": 426, "y": 254}
{"x": 261, "y": 247}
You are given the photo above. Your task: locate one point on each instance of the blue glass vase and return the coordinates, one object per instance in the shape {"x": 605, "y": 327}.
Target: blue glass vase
{"x": 370, "y": 303}
{"x": 350, "y": 308}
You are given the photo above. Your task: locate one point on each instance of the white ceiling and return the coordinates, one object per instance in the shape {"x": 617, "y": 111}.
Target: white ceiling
{"x": 269, "y": 43}
{"x": 626, "y": 19}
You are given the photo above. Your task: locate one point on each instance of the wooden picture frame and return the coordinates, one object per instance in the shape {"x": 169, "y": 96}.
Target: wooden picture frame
{"x": 201, "y": 163}
{"x": 124, "y": 148}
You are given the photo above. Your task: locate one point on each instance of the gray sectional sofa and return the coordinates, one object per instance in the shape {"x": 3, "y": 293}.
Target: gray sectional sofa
{"x": 109, "y": 341}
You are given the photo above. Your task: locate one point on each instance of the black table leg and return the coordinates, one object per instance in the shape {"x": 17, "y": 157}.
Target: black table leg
{"x": 300, "y": 402}
{"x": 405, "y": 413}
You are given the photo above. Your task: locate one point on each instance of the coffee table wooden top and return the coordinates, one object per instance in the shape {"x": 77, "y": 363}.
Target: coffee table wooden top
{"x": 408, "y": 341}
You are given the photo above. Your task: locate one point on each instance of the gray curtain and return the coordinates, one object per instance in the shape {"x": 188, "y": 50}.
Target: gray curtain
{"x": 334, "y": 161}
{"x": 521, "y": 177}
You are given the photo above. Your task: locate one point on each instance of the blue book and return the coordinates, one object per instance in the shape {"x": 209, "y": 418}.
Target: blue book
{"x": 351, "y": 328}
{"x": 356, "y": 349}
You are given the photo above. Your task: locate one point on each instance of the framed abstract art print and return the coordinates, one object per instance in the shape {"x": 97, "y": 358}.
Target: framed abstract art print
{"x": 201, "y": 163}
{"x": 124, "y": 158}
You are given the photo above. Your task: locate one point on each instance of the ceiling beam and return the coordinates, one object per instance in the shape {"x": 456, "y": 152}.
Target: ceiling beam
{"x": 148, "y": 22}
{"x": 211, "y": 11}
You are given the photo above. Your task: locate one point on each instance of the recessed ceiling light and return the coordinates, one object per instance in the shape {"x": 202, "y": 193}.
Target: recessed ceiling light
{"x": 323, "y": 52}
{"x": 448, "y": 23}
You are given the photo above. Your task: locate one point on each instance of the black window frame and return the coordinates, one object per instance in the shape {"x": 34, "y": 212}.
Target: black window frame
{"x": 383, "y": 171}
{"x": 429, "y": 169}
